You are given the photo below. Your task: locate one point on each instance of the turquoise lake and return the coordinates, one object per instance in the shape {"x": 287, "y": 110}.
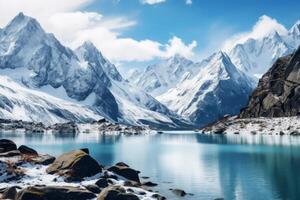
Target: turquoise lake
{"x": 208, "y": 166}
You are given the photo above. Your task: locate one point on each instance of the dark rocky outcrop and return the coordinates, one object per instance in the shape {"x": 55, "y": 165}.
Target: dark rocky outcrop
{"x": 54, "y": 193}
{"x": 27, "y": 150}
{"x": 102, "y": 183}
{"x": 7, "y": 145}
{"x": 65, "y": 128}
{"x": 75, "y": 165}
{"x": 178, "y": 192}
{"x": 93, "y": 188}
{"x": 125, "y": 171}
{"x": 116, "y": 193}
{"x": 149, "y": 184}
{"x": 9, "y": 193}
{"x": 278, "y": 91}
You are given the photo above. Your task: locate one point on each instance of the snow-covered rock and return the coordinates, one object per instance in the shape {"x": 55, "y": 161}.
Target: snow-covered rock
{"x": 159, "y": 78}
{"x": 256, "y": 56}
{"x": 39, "y": 61}
{"x": 218, "y": 89}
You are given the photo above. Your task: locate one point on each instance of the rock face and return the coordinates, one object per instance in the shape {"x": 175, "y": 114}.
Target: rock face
{"x": 7, "y": 145}
{"x": 116, "y": 193}
{"x": 278, "y": 91}
{"x": 27, "y": 150}
{"x": 75, "y": 165}
{"x": 124, "y": 170}
{"x": 54, "y": 193}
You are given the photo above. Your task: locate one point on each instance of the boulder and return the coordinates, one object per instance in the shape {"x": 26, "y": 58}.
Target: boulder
{"x": 43, "y": 159}
{"x": 9, "y": 193}
{"x": 126, "y": 172}
{"x": 27, "y": 150}
{"x": 179, "y": 192}
{"x": 116, "y": 193}
{"x": 7, "y": 145}
{"x": 158, "y": 197}
{"x": 149, "y": 184}
{"x": 102, "y": 183}
{"x": 93, "y": 188}
{"x": 74, "y": 165}
{"x": 54, "y": 193}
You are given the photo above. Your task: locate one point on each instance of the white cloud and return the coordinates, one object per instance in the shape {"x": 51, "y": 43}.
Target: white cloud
{"x": 177, "y": 46}
{"x": 265, "y": 25}
{"x": 151, "y": 2}
{"x": 189, "y": 2}
{"x": 72, "y": 27}
{"x": 37, "y": 8}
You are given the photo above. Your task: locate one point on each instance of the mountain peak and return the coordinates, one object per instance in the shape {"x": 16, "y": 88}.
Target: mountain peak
{"x": 22, "y": 21}
{"x": 295, "y": 30}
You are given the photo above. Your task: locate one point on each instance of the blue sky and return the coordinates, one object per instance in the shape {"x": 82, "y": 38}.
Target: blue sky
{"x": 199, "y": 21}
{"x": 134, "y": 33}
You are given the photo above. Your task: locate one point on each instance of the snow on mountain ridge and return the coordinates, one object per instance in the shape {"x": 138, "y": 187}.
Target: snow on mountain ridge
{"x": 158, "y": 78}
{"x": 256, "y": 56}
{"x": 218, "y": 89}
{"x": 20, "y": 103}
{"x": 83, "y": 73}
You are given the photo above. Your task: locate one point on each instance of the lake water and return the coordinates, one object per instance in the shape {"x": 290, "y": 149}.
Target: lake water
{"x": 209, "y": 166}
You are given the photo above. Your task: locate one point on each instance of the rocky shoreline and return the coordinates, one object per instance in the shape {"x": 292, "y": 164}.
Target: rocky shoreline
{"x": 255, "y": 126}
{"x": 26, "y": 174}
{"x": 101, "y": 126}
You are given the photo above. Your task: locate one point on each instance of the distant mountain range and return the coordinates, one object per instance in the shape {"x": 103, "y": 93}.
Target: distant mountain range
{"x": 220, "y": 84}
{"x": 42, "y": 80}
{"x": 38, "y": 61}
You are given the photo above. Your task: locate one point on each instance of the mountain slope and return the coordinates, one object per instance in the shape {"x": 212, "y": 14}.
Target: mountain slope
{"x": 256, "y": 56}
{"x": 18, "y": 102}
{"x": 160, "y": 77}
{"x": 278, "y": 91}
{"x": 38, "y": 60}
{"x": 218, "y": 89}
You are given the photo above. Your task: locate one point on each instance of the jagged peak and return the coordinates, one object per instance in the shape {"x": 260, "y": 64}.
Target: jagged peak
{"x": 295, "y": 28}
{"x": 22, "y": 21}
{"x": 178, "y": 58}
{"x": 89, "y": 48}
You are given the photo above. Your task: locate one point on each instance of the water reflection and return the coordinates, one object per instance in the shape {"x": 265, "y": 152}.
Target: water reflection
{"x": 210, "y": 166}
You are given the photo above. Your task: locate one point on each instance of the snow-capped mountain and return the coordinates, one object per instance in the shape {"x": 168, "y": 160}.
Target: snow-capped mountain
{"x": 159, "y": 78}
{"x": 39, "y": 61}
{"x": 256, "y": 56}
{"x": 218, "y": 89}
{"x": 19, "y": 102}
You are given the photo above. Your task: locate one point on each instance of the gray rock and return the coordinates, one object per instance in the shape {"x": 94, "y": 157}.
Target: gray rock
{"x": 27, "y": 150}
{"x": 93, "y": 188}
{"x": 126, "y": 172}
{"x": 116, "y": 193}
{"x": 75, "y": 165}
{"x": 102, "y": 183}
{"x": 278, "y": 91}
{"x": 7, "y": 145}
{"x": 54, "y": 193}
{"x": 179, "y": 192}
